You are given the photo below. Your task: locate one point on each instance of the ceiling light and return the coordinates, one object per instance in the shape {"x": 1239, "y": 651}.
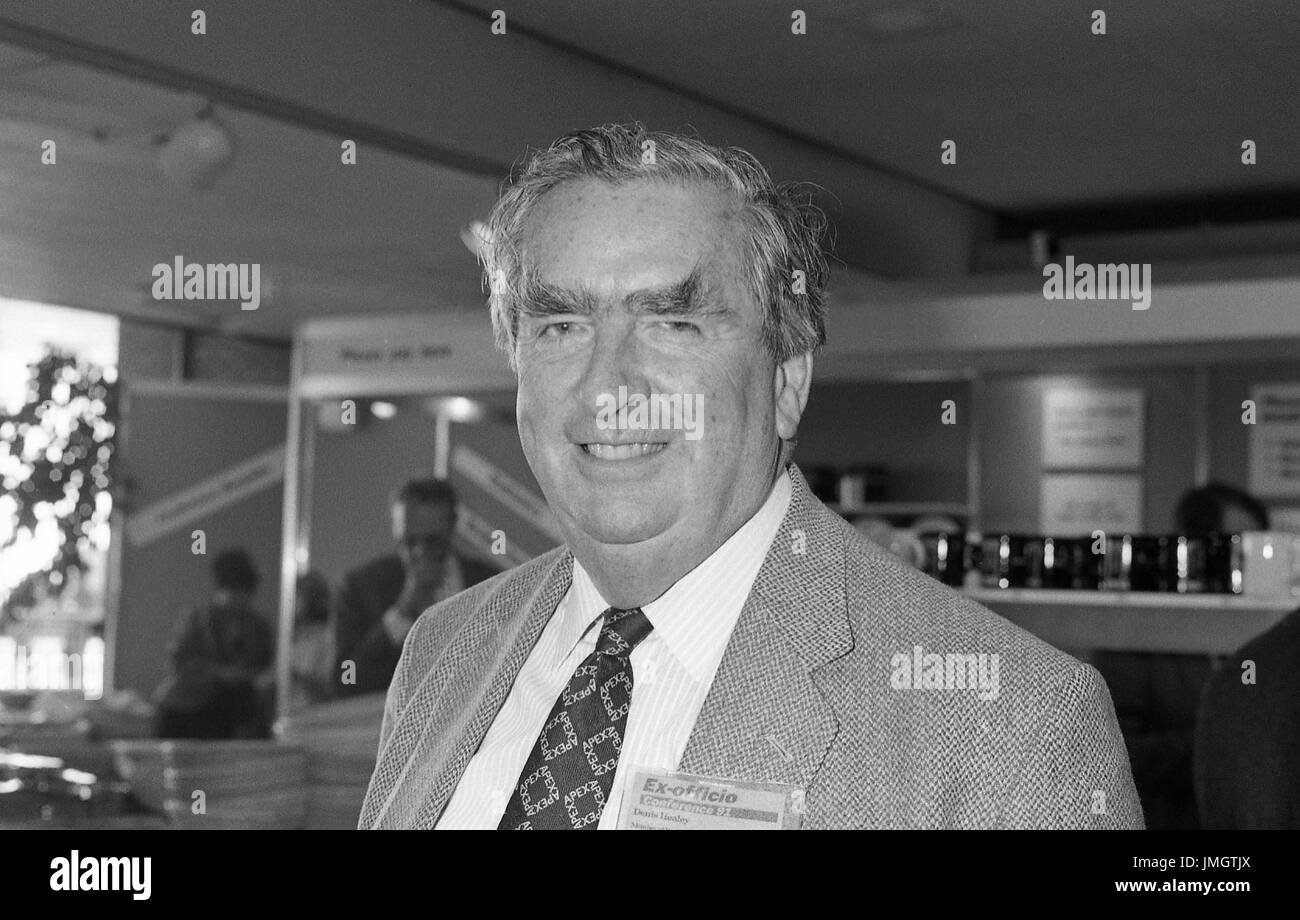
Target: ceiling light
{"x": 197, "y": 152}
{"x": 382, "y": 410}
{"x": 461, "y": 409}
{"x": 455, "y": 408}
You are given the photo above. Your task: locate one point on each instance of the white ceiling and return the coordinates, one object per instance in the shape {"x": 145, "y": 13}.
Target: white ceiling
{"x": 382, "y": 235}
{"x": 1048, "y": 119}
{"x": 1046, "y": 115}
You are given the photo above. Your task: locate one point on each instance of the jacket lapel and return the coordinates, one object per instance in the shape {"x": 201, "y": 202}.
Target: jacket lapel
{"x": 766, "y": 718}
{"x": 455, "y": 704}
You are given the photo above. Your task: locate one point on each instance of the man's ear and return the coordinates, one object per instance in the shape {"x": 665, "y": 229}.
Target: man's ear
{"x": 791, "y": 382}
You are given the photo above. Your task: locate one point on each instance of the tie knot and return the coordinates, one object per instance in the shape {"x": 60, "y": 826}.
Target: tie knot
{"x": 622, "y": 631}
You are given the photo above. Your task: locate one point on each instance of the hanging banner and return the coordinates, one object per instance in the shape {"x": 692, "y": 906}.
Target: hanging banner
{"x": 506, "y": 489}
{"x": 203, "y": 498}
{"x": 1275, "y": 441}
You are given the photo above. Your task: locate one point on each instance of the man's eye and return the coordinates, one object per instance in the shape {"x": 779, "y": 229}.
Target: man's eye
{"x": 681, "y": 326}
{"x": 556, "y": 329}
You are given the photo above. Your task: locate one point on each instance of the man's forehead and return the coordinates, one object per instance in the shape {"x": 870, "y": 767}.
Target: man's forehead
{"x": 591, "y": 244}
{"x": 645, "y": 213}
{"x": 589, "y": 192}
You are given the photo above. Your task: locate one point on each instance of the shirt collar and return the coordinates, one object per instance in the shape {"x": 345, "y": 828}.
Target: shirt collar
{"x": 695, "y": 616}
{"x": 581, "y": 606}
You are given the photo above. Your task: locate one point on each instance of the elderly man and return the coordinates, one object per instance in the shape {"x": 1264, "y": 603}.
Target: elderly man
{"x": 710, "y": 634}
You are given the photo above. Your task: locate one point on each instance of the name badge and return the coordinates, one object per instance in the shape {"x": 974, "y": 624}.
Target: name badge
{"x": 661, "y": 801}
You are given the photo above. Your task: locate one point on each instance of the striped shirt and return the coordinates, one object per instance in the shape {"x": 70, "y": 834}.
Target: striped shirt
{"x": 672, "y": 670}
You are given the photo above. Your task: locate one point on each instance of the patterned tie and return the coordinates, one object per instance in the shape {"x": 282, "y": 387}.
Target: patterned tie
{"x": 568, "y": 777}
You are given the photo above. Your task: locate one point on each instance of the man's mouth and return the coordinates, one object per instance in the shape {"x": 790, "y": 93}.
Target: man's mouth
{"x": 622, "y": 451}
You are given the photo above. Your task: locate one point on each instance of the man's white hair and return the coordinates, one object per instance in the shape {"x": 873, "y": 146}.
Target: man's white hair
{"x": 785, "y": 229}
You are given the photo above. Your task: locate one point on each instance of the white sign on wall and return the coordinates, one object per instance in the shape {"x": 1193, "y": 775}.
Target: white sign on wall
{"x": 1076, "y": 504}
{"x": 374, "y": 355}
{"x": 1275, "y": 441}
{"x": 1093, "y": 429}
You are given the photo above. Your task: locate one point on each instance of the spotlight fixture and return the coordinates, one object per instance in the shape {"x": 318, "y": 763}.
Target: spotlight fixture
{"x": 197, "y": 152}
{"x": 456, "y": 408}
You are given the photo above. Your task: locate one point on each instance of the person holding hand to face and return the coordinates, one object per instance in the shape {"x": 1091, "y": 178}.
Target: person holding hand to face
{"x": 379, "y": 601}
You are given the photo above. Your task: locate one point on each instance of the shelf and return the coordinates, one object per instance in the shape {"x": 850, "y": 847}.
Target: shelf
{"x": 958, "y": 509}
{"x": 1133, "y": 599}
{"x": 1192, "y": 624}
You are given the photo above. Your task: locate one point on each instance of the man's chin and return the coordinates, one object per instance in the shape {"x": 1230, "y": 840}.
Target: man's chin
{"x": 634, "y": 525}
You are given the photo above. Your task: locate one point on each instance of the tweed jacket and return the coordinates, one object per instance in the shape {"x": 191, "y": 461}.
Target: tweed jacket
{"x": 810, "y": 691}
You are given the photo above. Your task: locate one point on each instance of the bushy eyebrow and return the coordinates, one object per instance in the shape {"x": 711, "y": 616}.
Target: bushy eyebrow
{"x": 542, "y": 299}
{"x": 688, "y": 297}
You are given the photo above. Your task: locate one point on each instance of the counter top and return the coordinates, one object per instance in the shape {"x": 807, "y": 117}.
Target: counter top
{"x": 1143, "y": 621}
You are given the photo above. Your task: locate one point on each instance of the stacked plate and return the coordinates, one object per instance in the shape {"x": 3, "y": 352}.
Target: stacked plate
{"x": 140, "y": 763}
{"x": 341, "y": 740}
{"x": 255, "y": 785}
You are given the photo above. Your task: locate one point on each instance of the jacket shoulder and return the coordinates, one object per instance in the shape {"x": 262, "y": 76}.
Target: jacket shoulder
{"x": 982, "y": 723}
{"x": 889, "y": 599}
{"x": 437, "y": 626}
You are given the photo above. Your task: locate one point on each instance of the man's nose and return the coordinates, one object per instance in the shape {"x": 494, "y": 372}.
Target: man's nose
{"x": 614, "y": 361}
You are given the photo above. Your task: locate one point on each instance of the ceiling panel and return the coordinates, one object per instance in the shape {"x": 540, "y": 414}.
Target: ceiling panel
{"x": 1046, "y": 114}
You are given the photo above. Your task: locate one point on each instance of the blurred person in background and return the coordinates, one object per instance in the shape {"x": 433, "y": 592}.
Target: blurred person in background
{"x": 1219, "y": 508}
{"x": 1247, "y": 754}
{"x": 221, "y": 661}
{"x": 379, "y": 601}
{"x": 1156, "y": 695}
{"x": 312, "y": 664}
{"x": 1246, "y": 757}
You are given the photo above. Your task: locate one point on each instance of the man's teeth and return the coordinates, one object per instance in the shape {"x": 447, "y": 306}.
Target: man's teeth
{"x": 621, "y": 451}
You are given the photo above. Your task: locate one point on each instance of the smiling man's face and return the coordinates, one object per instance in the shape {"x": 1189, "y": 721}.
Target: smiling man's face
{"x": 642, "y": 285}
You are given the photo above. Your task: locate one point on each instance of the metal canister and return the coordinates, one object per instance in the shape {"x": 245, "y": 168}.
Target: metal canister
{"x": 1060, "y": 562}
{"x": 1189, "y": 565}
{"x": 1117, "y": 566}
{"x": 1223, "y": 563}
{"x": 1083, "y": 567}
{"x": 995, "y": 552}
{"x": 1035, "y": 550}
{"x": 945, "y": 557}
{"x": 1003, "y": 561}
{"x": 1151, "y": 567}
